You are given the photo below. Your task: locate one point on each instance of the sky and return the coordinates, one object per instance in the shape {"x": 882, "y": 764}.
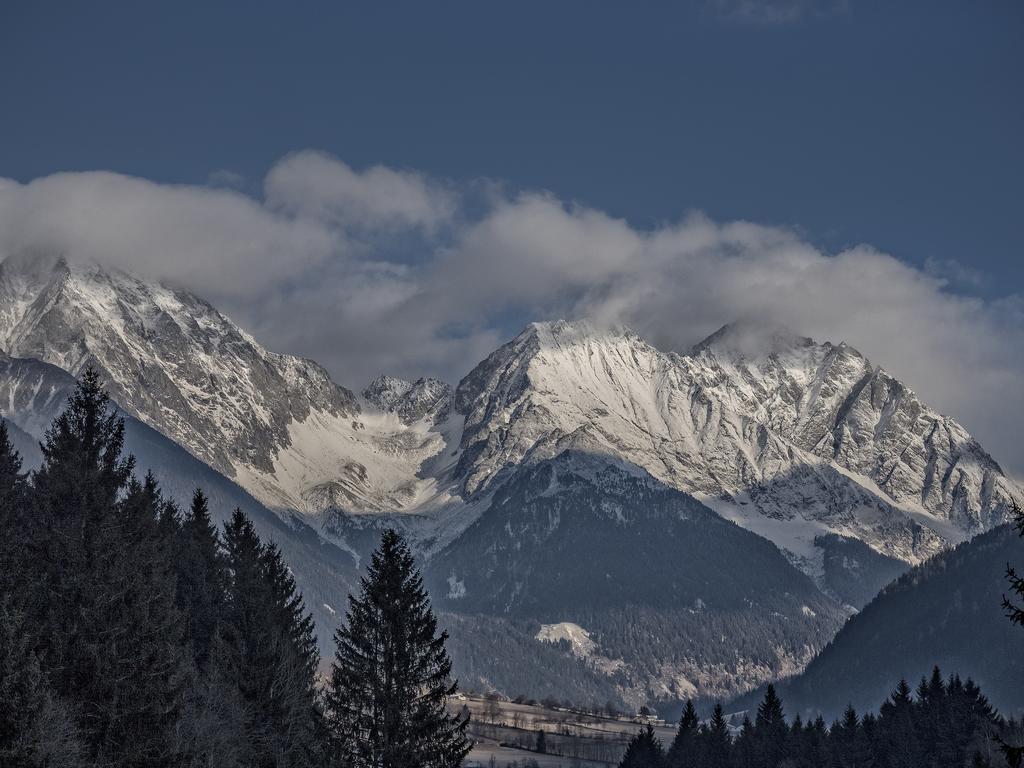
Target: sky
{"x": 399, "y": 188}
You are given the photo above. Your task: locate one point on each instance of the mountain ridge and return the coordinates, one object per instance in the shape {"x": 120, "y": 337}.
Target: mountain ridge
{"x": 788, "y": 437}
{"x": 826, "y": 458}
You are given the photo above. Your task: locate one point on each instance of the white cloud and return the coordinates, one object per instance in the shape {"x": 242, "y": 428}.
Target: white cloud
{"x": 776, "y": 12}
{"x": 197, "y": 236}
{"x": 313, "y": 269}
{"x": 319, "y": 186}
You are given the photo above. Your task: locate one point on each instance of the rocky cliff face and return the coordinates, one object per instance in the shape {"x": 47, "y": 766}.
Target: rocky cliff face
{"x": 424, "y": 399}
{"x": 169, "y": 358}
{"x": 787, "y": 437}
{"x": 790, "y": 438}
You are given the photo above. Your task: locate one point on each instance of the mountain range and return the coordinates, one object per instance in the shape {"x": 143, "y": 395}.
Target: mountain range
{"x": 573, "y": 483}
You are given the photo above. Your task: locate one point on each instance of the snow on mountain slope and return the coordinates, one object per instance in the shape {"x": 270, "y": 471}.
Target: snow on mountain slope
{"x": 792, "y": 440}
{"x": 831, "y": 401}
{"x": 277, "y": 424}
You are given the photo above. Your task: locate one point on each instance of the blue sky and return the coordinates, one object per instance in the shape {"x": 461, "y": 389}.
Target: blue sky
{"x": 392, "y": 187}
{"x": 896, "y": 124}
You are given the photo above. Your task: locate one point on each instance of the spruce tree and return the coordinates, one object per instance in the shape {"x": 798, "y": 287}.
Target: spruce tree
{"x": 849, "y": 748}
{"x": 1014, "y": 753}
{"x": 644, "y": 751}
{"x": 12, "y": 516}
{"x": 391, "y": 678}
{"x": 770, "y": 729}
{"x": 202, "y": 577}
{"x": 683, "y": 751}
{"x": 266, "y": 648}
{"x": 897, "y": 734}
{"x": 745, "y": 753}
{"x": 815, "y": 743}
{"x": 714, "y": 742}
{"x": 110, "y": 635}
{"x": 1015, "y": 612}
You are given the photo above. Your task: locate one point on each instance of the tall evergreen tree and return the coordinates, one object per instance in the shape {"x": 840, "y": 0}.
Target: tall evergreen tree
{"x": 1014, "y": 753}
{"x": 770, "y": 728}
{"x": 815, "y": 744}
{"x": 391, "y": 678}
{"x": 744, "y": 750}
{"x": 714, "y": 742}
{"x": 109, "y": 631}
{"x": 266, "y": 648}
{"x": 683, "y": 751}
{"x": 202, "y": 577}
{"x": 644, "y": 751}
{"x": 897, "y": 735}
{"x": 849, "y": 748}
{"x": 12, "y": 523}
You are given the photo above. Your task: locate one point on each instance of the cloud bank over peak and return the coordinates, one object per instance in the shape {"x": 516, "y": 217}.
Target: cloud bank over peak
{"x": 386, "y": 270}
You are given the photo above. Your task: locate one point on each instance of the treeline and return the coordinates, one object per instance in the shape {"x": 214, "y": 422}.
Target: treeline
{"x": 133, "y": 633}
{"x": 945, "y": 723}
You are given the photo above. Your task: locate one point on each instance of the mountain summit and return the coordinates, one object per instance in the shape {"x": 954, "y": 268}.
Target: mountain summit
{"x": 790, "y": 438}
{"x": 787, "y": 437}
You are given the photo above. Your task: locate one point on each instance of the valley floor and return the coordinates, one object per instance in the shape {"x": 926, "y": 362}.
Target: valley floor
{"x": 507, "y": 732}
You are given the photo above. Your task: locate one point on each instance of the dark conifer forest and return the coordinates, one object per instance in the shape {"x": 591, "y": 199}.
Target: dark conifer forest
{"x": 135, "y": 633}
{"x": 944, "y": 722}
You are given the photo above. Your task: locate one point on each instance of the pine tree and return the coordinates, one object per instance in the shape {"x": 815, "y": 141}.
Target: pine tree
{"x": 12, "y": 523}
{"x": 1014, "y": 753}
{"x": 202, "y": 577}
{"x": 542, "y": 743}
{"x": 391, "y": 677}
{"x": 683, "y": 751}
{"x": 1014, "y": 612}
{"x": 796, "y": 746}
{"x": 266, "y": 648}
{"x": 745, "y": 747}
{"x": 714, "y": 742}
{"x": 770, "y": 729}
{"x": 897, "y": 735}
{"x": 110, "y": 637}
{"x": 644, "y": 751}
{"x": 36, "y": 730}
{"x": 815, "y": 744}
{"x": 849, "y": 748}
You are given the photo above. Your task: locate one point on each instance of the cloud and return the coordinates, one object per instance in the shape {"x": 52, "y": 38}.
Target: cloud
{"x": 392, "y": 271}
{"x": 317, "y": 185}
{"x": 775, "y": 12}
{"x": 195, "y": 236}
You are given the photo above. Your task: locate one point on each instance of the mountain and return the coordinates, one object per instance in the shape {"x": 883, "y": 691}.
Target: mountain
{"x": 669, "y": 599}
{"x": 575, "y": 455}
{"x": 276, "y": 424}
{"x": 944, "y": 612}
{"x": 791, "y": 439}
{"x": 36, "y": 392}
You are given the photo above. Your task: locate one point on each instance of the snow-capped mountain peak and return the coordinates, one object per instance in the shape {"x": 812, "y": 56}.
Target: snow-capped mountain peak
{"x": 786, "y": 436}
{"x": 789, "y": 437}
